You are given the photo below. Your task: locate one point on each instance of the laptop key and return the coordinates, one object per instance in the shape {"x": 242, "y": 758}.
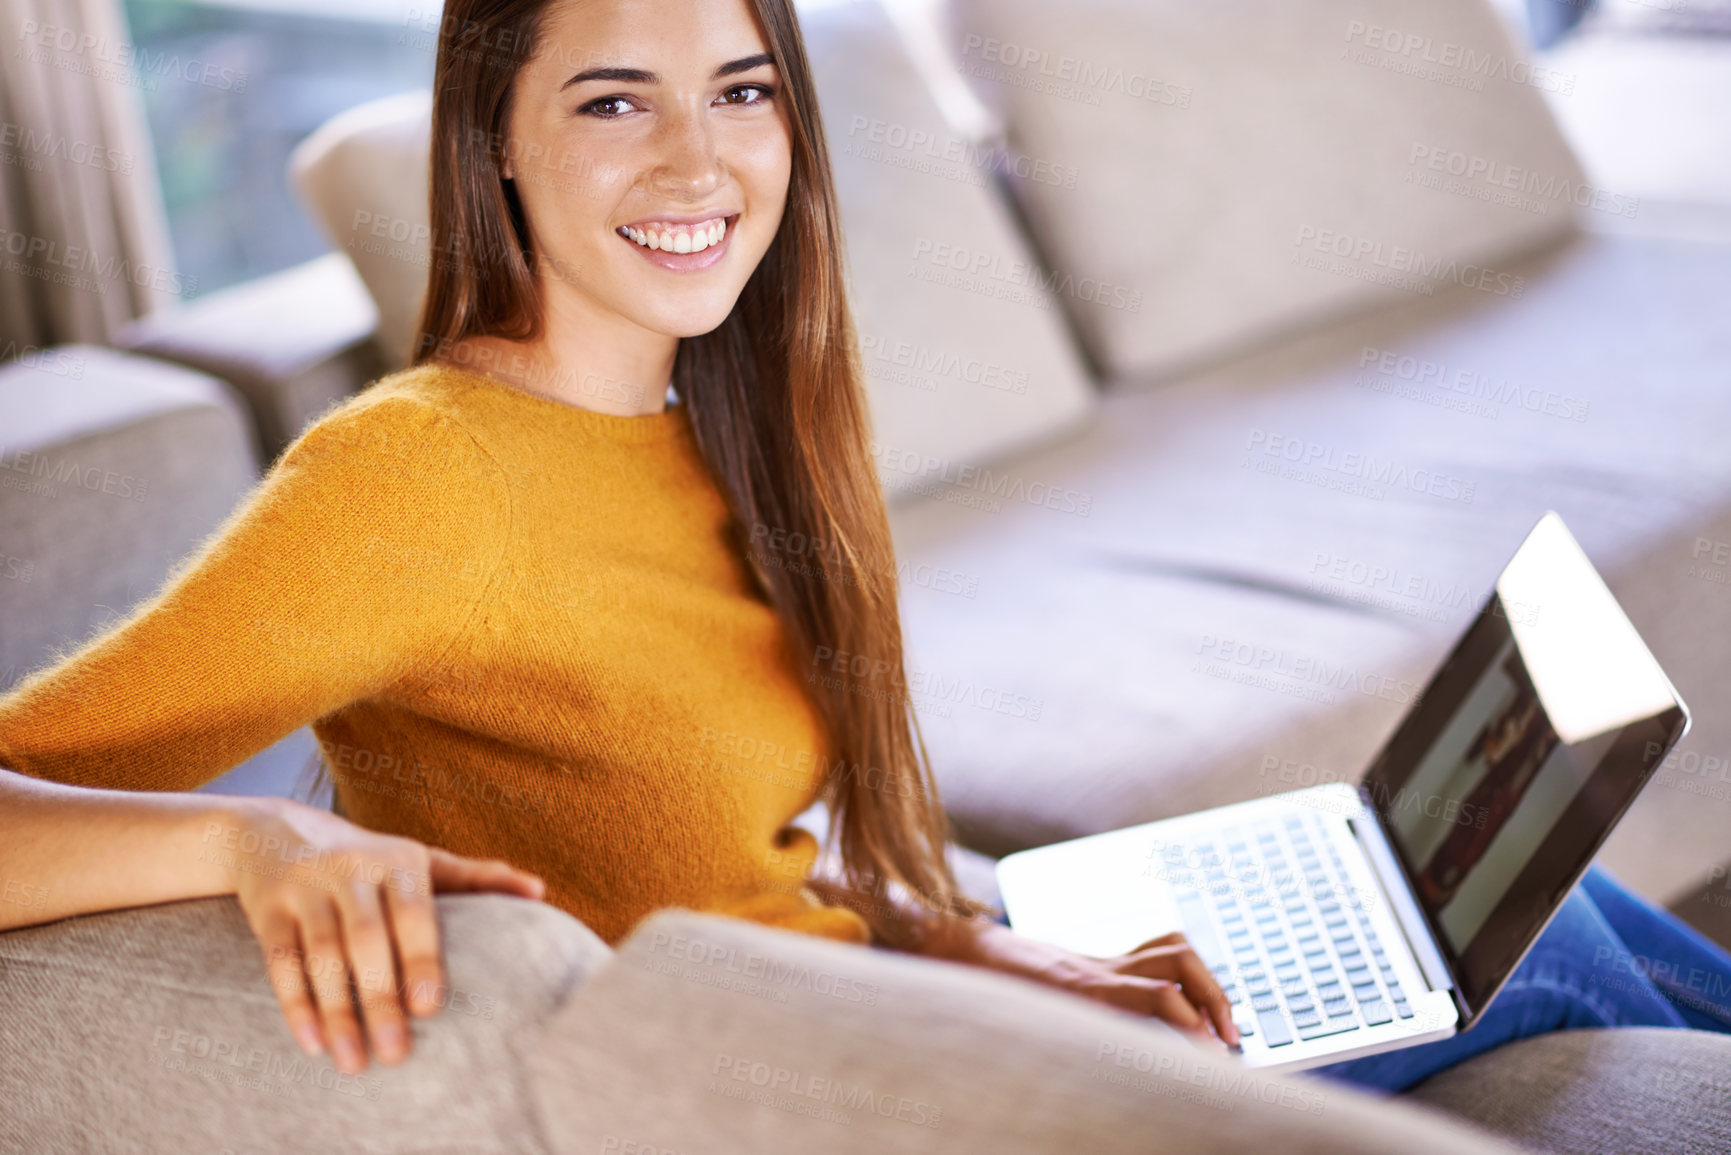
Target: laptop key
{"x": 1266, "y": 1002}
{"x": 1337, "y": 1007}
{"x": 1328, "y": 1027}
{"x": 1402, "y": 1009}
{"x": 1376, "y": 1012}
{"x": 1198, "y": 928}
{"x": 1275, "y": 1032}
{"x": 1303, "y": 1019}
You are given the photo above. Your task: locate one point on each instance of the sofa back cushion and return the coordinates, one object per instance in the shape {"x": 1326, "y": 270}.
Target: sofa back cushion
{"x": 115, "y": 467}
{"x": 963, "y": 363}
{"x": 363, "y": 175}
{"x": 957, "y": 369}
{"x": 1200, "y": 177}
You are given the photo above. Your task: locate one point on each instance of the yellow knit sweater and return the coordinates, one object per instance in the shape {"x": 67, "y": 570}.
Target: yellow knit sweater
{"x": 520, "y": 629}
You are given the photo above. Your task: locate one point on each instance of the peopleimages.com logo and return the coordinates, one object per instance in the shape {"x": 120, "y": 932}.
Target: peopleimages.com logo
{"x": 1404, "y": 262}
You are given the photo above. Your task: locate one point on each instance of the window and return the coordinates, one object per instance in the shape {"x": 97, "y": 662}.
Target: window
{"x": 230, "y": 89}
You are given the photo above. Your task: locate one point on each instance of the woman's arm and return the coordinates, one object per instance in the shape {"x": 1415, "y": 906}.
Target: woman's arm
{"x": 333, "y": 905}
{"x": 353, "y": 567}
{"x": 66, "y": 851}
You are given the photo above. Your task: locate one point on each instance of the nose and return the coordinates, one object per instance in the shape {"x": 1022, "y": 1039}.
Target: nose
{"x": 688, "y": 167}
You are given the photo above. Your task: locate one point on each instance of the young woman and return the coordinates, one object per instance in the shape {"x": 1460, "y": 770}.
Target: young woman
{"x": 510, "y": 587}
{"x": 513, "y": 587}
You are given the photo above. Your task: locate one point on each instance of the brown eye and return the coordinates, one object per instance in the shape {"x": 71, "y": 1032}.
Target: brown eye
{"x": 747, "y": 94}
{"x": 606, "y": 107}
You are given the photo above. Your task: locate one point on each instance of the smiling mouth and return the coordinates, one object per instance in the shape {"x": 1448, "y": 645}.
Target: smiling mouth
{"x": 679, "y": 238}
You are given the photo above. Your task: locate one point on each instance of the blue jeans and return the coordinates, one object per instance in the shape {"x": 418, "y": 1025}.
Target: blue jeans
{"x": 1609, "y": 959}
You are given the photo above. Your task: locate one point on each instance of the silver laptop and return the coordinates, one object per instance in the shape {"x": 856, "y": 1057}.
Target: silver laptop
{"x": 1347, "y": 920}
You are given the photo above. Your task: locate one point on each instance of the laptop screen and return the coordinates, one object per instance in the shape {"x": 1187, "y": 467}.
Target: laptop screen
{"x": 1499, "y": 787}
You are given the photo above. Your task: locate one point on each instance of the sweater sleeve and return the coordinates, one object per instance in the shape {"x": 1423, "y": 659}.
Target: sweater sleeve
{"x": 355, "y": 562}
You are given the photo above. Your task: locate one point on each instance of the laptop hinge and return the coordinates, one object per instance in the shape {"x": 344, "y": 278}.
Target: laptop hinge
{"x": 1400, "y": 902}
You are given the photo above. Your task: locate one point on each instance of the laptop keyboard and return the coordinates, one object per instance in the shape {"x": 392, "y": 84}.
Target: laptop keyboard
{"x": 1294, "y": 950}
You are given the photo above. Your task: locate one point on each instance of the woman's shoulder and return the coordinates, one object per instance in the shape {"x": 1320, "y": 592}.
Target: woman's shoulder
{"x": 403, "y": 443}
{"x": 415, "y": 416}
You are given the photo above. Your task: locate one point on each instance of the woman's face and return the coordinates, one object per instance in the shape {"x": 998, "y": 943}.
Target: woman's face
{"x": 651, "y": 150}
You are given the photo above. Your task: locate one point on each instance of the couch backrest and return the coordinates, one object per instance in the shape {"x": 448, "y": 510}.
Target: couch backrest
{"x": 1205, "y": 176}
{"x": 363, "y": 175}
{"x": 711, "y": 1034}
{"x": 112, "y": 468}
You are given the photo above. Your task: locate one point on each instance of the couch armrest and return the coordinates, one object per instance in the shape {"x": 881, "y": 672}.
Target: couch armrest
{"x": 112, "y": 468}
{"x": 291, "y": 343}
{"x": 1636, "y": 1091}
{"x": 156, "y": 1030}
{"x": 710, "y": 1034}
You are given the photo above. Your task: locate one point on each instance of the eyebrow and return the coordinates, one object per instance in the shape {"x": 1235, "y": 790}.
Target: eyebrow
{"x": 643, "y": 76}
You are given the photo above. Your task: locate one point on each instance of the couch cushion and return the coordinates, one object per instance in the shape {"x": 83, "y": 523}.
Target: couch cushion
{"x": 156, "y": 1030}
{"x": 363, "y": 175}
{"x": 959, "y": 368}
{"x": 293, "y": 343}
{"x": 1275, "y": 554}
{"x": 1632, "y": 1091}
{"x": 956, "y": 369}
{"x": 1248, "y": 167}
{"x": 112, "y": 467}
{"x": 710, "y": 1034}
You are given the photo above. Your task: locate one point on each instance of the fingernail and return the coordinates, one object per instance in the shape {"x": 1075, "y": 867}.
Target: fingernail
{"x": 307, "y": 1035}
{"x": 346, "y": 1054}
{"x": 389, "y": 1039}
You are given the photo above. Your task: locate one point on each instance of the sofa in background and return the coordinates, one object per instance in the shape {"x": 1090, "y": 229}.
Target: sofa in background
{"x": 112, "y": 468}
{"x": 1297, "y": 499}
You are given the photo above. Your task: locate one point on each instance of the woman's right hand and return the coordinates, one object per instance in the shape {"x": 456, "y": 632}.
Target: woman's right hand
{"x": 334, "y": 904}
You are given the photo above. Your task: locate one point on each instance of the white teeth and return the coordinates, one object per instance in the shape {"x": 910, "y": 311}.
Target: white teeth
{"x": 683, "y": 240}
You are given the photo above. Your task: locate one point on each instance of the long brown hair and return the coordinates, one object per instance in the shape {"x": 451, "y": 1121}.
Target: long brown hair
{"x": 776, "y": 400}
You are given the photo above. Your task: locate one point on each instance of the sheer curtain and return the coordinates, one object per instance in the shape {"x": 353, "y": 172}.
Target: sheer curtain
{"x": 84, "y": 244}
